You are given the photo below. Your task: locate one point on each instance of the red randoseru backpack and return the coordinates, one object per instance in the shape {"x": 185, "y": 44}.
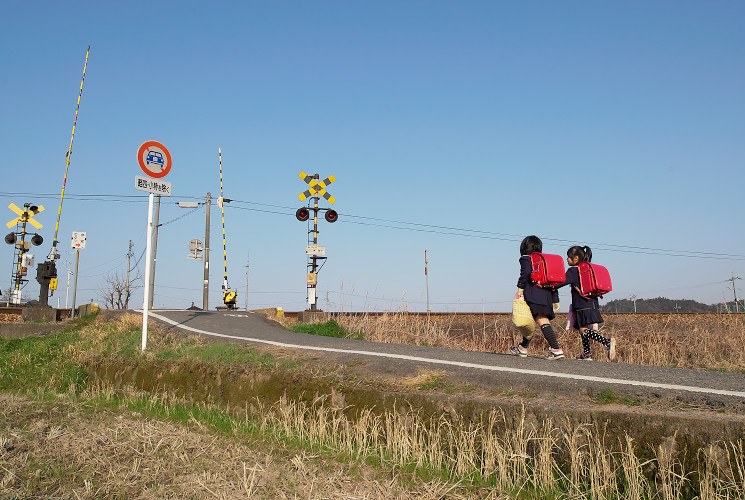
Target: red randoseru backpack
{"x": 594, "y": 280}
{"x": 548, "y": 269}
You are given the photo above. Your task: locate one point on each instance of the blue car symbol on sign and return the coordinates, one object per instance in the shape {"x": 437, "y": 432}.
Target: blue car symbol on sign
{"x": 155, "y": 157}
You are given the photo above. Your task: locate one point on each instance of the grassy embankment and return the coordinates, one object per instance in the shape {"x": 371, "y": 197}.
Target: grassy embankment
{"x": 409, "y": 456}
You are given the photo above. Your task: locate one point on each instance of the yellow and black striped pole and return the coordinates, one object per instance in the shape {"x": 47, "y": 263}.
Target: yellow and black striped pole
{"x": 22, "y": 249}
{"x": 229, "y": 297}
{"x": 53, "y": 254}
{"x": 222, "y": 210}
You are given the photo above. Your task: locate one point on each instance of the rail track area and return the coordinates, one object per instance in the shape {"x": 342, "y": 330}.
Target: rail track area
{"x": 566, "y": 380}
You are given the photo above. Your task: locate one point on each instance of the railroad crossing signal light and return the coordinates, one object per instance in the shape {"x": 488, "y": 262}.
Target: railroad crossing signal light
{"x": 302, "y": 214}
{"x": 331, "y": 216}
{"x": 37, "y": 240}
{"x": 10, "y": 238}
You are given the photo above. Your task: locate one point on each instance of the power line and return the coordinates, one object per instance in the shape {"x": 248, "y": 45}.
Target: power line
{"x": 415, "y": 226}
{"x": 447, "y": 230}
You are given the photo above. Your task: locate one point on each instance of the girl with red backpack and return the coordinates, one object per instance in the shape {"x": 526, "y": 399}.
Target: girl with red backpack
{"x": 585, "y": 308}
{"x": 541, "y": 300}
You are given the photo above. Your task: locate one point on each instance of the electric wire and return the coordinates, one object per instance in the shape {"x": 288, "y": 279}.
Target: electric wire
{"x": 420, "y": 227}
{"x": 190, "y": 212}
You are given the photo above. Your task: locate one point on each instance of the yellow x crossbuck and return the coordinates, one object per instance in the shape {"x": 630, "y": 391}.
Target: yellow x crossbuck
{"x": 317, "y": 187}
{"x": 20, "y": 213}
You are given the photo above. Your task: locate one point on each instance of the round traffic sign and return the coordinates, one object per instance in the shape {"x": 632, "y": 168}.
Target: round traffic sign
{"x": 154, "y": 159}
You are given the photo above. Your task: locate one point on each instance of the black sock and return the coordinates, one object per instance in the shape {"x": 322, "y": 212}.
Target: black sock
{"x": 548, "y": 332}
{"x": 525, "y": 343}
{"x": 586, "y": 341}
{"x": 597, "y": 337}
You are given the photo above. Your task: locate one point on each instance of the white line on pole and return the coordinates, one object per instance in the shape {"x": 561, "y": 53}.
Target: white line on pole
{"x": 590, "y": 378}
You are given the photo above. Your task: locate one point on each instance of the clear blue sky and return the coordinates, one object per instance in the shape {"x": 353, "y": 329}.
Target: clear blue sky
{"x": 452, "y": 127}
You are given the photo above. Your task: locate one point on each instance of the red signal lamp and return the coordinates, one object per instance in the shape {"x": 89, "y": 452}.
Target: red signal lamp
{"x": 302, "y": 214}
{"x": 331, "y": 216}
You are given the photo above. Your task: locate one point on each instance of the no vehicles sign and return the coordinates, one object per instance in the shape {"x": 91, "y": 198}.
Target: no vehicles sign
{"x": 154, "y": 159}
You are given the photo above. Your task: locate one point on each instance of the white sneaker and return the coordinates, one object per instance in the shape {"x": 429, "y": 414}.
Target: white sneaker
{"x": 519, "y": 350}
{"x": 555, "y": 354}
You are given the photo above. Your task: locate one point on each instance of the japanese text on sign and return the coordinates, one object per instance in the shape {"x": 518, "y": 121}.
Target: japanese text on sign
{"x": 153, "y": 185}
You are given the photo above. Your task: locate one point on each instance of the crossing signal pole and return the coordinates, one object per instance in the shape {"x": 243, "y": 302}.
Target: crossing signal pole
{"x": 315, "y": 252}
{"x": 21, "y": 259}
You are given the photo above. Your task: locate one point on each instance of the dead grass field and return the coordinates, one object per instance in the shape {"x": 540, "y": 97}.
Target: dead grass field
{"x": 698, "y": 341}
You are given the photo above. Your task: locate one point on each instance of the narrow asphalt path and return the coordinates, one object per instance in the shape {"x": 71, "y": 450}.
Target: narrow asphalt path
{"x": 567, "y": 378}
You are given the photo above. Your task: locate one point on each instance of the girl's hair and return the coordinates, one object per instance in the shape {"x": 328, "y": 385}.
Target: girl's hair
{"x": 531, "y": 244}
{"x": 584, "y": 253}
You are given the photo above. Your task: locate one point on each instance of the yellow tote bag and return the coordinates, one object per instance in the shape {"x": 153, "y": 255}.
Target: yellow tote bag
{"x": 522, "y": 318}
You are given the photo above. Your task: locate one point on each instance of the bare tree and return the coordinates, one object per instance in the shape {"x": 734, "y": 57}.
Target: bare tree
{"x": 113, "y": 293}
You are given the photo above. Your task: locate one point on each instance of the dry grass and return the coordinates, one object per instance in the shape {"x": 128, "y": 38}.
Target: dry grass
{"x": 699, "y": 341}
{"x": 62, "y": 450}
{"x": 10, "y": 318}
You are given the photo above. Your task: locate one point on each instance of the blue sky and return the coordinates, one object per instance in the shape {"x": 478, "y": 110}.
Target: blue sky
{"x": 452, "y": 127}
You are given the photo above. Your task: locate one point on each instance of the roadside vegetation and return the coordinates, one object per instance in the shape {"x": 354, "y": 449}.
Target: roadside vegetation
{"x": 700, "y": 341}
{"x": 328, "y": 329}
{"x": 62, "y": 435}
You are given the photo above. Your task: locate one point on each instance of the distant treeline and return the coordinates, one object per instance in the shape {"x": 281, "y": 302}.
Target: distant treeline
{"x": 663, "y": 305}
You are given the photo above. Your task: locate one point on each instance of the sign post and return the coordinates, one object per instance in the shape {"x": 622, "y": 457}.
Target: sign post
{"x": 78, "y": 243}
{"x": 155, "y": 161}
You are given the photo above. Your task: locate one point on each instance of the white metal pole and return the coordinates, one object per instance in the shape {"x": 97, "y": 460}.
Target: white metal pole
{"x": 147, "y": 270}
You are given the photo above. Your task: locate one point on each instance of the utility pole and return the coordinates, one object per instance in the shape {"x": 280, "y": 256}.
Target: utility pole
{"x": 248, "y": 261}
{"x": 206, "y": 292}
{"x": 633, "y": 299}
{"x": 129, "y": 259}
{"x": 156, "y": 216}
{"x": 67, "y": 293}
{"x": 734, "y": 291}
{"x": 426, "y": 278}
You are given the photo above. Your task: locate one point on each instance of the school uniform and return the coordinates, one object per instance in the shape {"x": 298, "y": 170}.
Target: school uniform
{"x": 539, "y": 299}
{"x": 586, "y": 309}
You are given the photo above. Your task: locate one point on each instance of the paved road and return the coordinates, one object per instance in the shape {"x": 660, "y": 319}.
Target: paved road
{"x": 568, "y": 377}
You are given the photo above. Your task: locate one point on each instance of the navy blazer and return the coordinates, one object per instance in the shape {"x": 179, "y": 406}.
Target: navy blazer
{"x": 534, "y": 293}
{"x": 578, "y": 301}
